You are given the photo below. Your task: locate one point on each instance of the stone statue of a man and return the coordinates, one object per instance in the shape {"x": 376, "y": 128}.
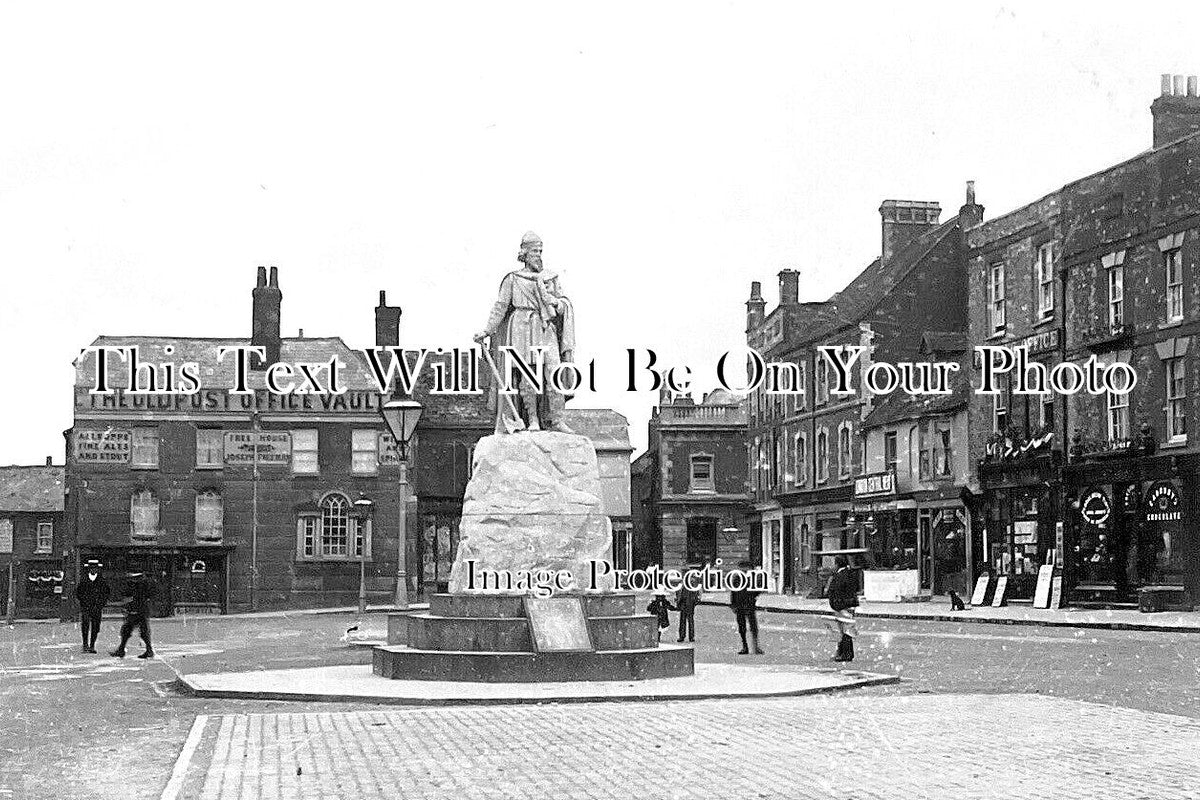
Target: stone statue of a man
{"x": 531, "y": 311}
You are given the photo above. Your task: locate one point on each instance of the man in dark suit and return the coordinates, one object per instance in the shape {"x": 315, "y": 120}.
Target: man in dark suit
{"x": 687, "y": 599}
{"x": 744, "y": 603}
{"x": 91, "y": 593}
{"x": 137, "y": 614}
{"x": 843, "y": 597}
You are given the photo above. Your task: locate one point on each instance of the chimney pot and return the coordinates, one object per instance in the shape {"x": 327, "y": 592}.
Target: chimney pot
{"x": 301, "y": 334}
{"x": 49, "y": 461}
{"x": 970, "y": 193}
{"x": 1191, "y": 86}
{"x": 756, "y": 290}
{"x": 274, "y": 277}
{"x": 1166, "y": 85}
{"x": 789, "y": 287}
{"x": 382, "y": 297}
{"x": 1179, "y": 86}
{"x": 262, "y": 277}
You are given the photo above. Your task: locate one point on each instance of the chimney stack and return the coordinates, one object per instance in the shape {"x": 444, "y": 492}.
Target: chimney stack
{"x": 264, "y": 331}
{"x": 49, "y": 461}
{"x": 387, "y": 323}
{"x": 789, "y": 287}
{"x": 1176, "y": 111}
{"x": 905, "y": 220}
{"x": 756, "y": 307}
{"x": 971, "y": 213}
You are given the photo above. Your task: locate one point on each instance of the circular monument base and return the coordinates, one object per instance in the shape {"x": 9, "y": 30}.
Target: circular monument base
{"x": 487, "y": 638}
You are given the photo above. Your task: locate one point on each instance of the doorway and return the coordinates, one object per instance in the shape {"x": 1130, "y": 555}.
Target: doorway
{"x": 701, "y": 546}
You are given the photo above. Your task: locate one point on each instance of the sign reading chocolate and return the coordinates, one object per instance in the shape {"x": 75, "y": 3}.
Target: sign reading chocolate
{"x": 1162, "y": 503}
{"x": 100, "y": 446}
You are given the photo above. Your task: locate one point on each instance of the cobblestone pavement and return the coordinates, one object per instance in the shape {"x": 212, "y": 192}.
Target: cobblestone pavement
{"x": 956, "y": 746}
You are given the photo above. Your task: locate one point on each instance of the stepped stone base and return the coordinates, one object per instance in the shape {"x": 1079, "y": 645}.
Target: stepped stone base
{"x": 404, "y": 663}
{"x": 486, "y": 638}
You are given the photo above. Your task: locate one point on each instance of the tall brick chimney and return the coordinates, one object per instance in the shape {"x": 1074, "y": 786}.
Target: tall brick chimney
{"x": 789, "y": 287}
{"x": 1176, "y": 111}
{"x": 904, "y": 221}
{"x": 264, "y": 331}
{"x": 756, "y": 307}
{"x": 387, "y": 323}
{"x": 971, "y": 213}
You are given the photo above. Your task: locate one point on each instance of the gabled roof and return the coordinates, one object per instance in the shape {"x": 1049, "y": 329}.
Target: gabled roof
{"x": 854, "y": 303}
{"x": 899, "y": 405}
{"x": 32, "y": 489}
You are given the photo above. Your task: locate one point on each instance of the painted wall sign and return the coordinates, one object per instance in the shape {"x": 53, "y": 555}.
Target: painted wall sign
{"x": 881, "y": 483}
{"x": 1095, "y": 507}
{"x": 103, "y": 446}
{"x": 1162, "y": 503}
{"x": 353, "y": 401}
{"x": 274, "y": 448}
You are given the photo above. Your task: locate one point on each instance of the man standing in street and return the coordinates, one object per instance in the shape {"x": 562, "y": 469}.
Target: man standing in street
{"x": 137, "y": 614}
{"x": 843, "y": 597}
{"x": 744, "y": 603}
{"x": 91, "y": 593}
{"x": 686, "y": 601}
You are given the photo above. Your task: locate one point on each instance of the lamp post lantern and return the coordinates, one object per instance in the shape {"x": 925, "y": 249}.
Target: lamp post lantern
{"x": 362, "y": 510}
{"x": 401, "y": 417}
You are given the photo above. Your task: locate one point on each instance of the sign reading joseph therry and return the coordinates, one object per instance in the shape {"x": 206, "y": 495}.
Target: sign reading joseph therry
{"x": 274, "y": 447}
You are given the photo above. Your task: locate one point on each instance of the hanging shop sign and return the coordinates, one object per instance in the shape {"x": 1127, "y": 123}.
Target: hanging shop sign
{"x": 103, "y": 446}
{"x": 1095, "y": 507}
{"x": 1162, "y": 503}
{"x": 877, "y": 485}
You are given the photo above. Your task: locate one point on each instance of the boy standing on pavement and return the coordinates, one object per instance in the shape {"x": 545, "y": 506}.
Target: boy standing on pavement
{"x": 744, "y": 603}
{"x": 137, "y": 614}
{"x": 92, "y": 593}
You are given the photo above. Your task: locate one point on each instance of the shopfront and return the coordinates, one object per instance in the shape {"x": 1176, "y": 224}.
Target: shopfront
{"x": 1020, "y": 509}
{"x": 187, "y": 580}
{"x": 1131, "y": 523}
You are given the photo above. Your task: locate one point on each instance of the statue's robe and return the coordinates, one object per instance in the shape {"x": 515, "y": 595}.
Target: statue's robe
{"x": 524, "y": 318}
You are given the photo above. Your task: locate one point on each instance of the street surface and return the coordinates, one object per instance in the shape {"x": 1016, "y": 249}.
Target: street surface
{"x": 1125, "y": 703}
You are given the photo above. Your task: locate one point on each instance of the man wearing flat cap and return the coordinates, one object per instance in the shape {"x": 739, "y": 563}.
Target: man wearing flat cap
{"x": 531, "y": 312}
{"x": 92, "y": 593}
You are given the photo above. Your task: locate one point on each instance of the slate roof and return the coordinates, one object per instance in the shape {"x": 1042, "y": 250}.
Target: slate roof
{"x": 32, "y": 489}
{"x": 944, "y": 342}
{"x": 899, "y": 405}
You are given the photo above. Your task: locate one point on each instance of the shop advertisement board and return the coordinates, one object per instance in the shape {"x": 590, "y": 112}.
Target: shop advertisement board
{"x": 1001, "y": 588}
{"x": 889, "y": 585}
{"x": 1041, "y": 595}
{"x": 274, "y": 448}
{"x": 103, "y": 446}
{"x": 981, "y": 586}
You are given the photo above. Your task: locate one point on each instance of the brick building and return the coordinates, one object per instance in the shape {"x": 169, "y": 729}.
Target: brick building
{"x": 32, "y": 540}
{"x": 1103, "y": 267}
{"x": 807, "y": 447}
{"x": 689, "y": 486}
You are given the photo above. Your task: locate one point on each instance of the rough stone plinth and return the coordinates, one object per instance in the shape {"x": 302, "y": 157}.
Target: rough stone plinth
{"x": 533, "y": 503}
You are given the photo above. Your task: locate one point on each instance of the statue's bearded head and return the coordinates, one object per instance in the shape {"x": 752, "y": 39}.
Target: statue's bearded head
{"x": 531, "y": 251}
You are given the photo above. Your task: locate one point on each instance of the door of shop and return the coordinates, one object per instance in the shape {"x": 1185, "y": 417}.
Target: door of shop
{"x": 198, "y": 585}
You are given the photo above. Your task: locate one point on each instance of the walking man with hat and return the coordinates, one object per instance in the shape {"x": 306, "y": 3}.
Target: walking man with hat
{"x": 91, "y": 593}
{"x": 137, "y": 614}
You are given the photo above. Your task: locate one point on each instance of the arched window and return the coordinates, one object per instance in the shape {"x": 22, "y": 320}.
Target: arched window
{"x": 143, "y": 516}
{"x": 333, "y": 530}
{"x": 209, "y": 517}
{"x": 335, "y": 525}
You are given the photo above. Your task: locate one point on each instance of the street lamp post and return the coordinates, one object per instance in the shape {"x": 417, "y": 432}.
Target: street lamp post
{"x": 362, "y": 509}
{"x": 401, "y": 417}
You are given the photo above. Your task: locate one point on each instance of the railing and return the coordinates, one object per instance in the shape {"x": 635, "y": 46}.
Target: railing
{"x": 725, "y": 415}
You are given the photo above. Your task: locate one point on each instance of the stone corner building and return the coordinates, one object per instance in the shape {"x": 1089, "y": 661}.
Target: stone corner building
{"x": 33, "y": 540}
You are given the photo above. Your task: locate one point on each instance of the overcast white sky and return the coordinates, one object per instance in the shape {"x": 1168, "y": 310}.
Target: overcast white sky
{"x": 667, "y": 153}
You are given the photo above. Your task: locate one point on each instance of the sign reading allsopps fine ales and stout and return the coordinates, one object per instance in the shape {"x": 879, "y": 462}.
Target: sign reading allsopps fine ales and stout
{"x": 105, "y": 446}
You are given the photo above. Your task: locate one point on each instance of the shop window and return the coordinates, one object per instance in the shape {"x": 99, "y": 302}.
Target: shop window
{"x": 145, "y": 448}
{"x": 6, "y": 535}
{"x": 45, "y": 537}
{"x": 1176, "y": 400}
{"x": 1044, "y": 269}
{"x": 365, "y": 454}
{"x": 304, "y": 452}
{"x": 210, "y": 448}
{"x": 1118, "y": 416}
{"x": 209, "y": 518}
{"x": 333, "y": 532}
{"x": 143, "y": 516}
{"x": 996, "y": 298}
{"x": 702, "y": 474}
